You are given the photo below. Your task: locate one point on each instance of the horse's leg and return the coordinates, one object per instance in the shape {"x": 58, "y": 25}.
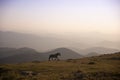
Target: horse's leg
{"x": 52, "y": 59}
{"x": 49, "y": 58}
{"x": 55, "y": 59}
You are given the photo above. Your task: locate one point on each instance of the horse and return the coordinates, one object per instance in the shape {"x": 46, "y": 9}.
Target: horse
{"x": 54, "y": 56}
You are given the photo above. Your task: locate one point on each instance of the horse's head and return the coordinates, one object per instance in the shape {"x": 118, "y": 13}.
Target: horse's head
{"x": 58, "y": 54}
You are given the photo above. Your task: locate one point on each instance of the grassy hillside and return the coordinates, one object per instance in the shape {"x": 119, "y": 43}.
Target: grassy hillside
{"x": 104, "y": 67}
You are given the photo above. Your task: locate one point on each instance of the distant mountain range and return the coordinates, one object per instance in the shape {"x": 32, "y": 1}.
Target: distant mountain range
{"x": 92, "y": 54}
{"x": 13, "y": 55}
{"x": 98, "y": 50}
{"x": 40, "y": 43}
{"x": 11, "y": 51}
{"x": 20, "y": 55}
{"x": 110, "y": 44}
{"x": 47, "y": 42}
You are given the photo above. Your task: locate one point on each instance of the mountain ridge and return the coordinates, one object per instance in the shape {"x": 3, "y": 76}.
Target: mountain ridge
{"x": 27, "y": 54}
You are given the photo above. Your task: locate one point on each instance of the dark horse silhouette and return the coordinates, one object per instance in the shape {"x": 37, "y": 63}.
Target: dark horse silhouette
{"x": 54, "y": 56}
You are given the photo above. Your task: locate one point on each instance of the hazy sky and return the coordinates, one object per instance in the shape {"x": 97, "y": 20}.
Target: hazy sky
{"x": 60, "y": 16}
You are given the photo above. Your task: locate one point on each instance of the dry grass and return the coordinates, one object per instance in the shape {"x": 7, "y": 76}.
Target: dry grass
{"x": 105, "y": 67}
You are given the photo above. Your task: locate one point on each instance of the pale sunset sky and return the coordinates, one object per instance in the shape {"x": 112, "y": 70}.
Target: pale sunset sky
{"x": 60, "y": 16}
